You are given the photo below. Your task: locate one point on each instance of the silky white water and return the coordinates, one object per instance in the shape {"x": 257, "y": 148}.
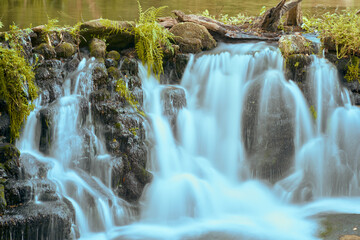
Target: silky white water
{"x": 241, "y": 115}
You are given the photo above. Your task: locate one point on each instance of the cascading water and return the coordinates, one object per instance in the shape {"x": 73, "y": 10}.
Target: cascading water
{"x": 243, "y": 122}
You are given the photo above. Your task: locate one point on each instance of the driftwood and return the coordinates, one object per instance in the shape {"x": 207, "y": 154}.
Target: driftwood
{"x": 271, "y": 18}
{"x": 224, "y": 32}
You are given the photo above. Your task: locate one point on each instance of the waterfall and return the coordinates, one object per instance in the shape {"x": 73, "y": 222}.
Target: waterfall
{"x": 250, "y": 156}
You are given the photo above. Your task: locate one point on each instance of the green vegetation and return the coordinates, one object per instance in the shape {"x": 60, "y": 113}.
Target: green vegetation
{"x": 353, "y": 72}
{"x": 342, "y": 29}
{"x": 313, "y": 112}
{"x": 150, "y": 39}
{"x": 224, "y": 18}
{"x": 129, "y": 97}
{"x": 339, "y": 31}
{"x": 16, "y": 87}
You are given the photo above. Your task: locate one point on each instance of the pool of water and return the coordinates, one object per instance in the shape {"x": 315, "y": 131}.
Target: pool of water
{"x": 36, "y": 12}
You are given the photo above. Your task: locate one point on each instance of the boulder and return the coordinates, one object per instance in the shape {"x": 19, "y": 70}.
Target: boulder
{"x": 9, "y": 161}
{"x": 192, "y": 38}
{"x": 296, "y": 67}
{"x": 99, "y": 75}
{"x": 97, "y": 48}
{"x": 118, "y": 34}
{"x": 46, "y": 50}
{"x": 296, "y": 44}
{"x": 49, "y": 220}
{"x": 65, "y": 50}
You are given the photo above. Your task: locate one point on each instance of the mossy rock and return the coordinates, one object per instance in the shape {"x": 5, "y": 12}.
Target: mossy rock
{"x": 97, "y": 48}
{"x": 8, "y": 152}
{"x": 129, "y": 66}
{"x": 118, "y": 34}
{"x": 65, "y": 50}
{"x": 296, "y": 44}
{"x": 114, "y": 73}
{"x": 192, "y": 38}
{"x": 115, "y": 55}
{"x": 296, "y": 67}
{"x": 100, "y": 75}
{"x": 2, "y": 198}
{"x": 46, "y": 50}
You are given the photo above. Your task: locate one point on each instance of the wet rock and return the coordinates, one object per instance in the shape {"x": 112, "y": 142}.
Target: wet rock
{"x": 49, "y": 220}
{"x": 118, "y": 34}
{"x": 4, "y": 122}
{"x": 65, "y": 50}
{"x": 100, "y": 75}
{"x": 174, "y": 69}
{"x": 9, "y": 160}
{"x": 72, "y": 65}
{"x": 31, "y": 167}
{"x": 2, "y": 198}
{"x": 129, "y": 66}
{"x": 49, "y": 77}
{"x": 97, "y": 48}
{"x": 46, "y": 50}
{"x": 192, "y": 38}
{"x": 296, "y": 67}
{"x": 269, "y": 141}
{"x": 296, "y": 44}
{"x": 339, "y": 226}
{"x": 342, "y": 67}
{"x": 173, "y": 99}
{"x": 109, "y": 62}
{"x": 18, "y": 192}
{"x": 114, "y": 73}
{"x": 46, "y": 117}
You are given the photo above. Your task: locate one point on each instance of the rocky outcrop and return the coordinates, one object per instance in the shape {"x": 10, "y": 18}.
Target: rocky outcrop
{"x": 118, "y": 34}
{"x": 192, "y": 38}
{"x": 296, "y": 44}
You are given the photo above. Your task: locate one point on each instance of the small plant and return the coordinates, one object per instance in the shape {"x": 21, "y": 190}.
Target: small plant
{"x": 150, "y": 38}
{"x": 1, "y": 25}
{"x": 313, "y": 112}
{"x": 353, "y": 72}
{"x": 129, "y": 97}
{"x": 239, "y": 19}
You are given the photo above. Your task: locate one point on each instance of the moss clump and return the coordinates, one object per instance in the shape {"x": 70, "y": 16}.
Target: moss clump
{"x": 2, "y": 198}
{"x": 150, "y": 37}
{"x": 127, "y": 95}
{"x": 353, "y": 72}
{"x": 16, "y": 87}
{"x": 115, "y": 55}
{"x": 97, "y": 48}
{"x": 65, "y": 50}
{"x": 114, "y": 73}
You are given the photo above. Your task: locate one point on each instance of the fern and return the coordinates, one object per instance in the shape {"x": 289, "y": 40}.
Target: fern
{"x": 150, "y": 38}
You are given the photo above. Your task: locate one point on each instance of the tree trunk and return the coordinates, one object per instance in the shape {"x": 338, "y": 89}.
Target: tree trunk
{"x": 294, "y": 16}
{"x": 271, "y": 18}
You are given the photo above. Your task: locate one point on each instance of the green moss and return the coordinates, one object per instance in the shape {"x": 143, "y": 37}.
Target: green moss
{"x": 113, "y": 55}
{"x": 133, "y": 130}
{"x": 353, "y": 71}
{"x": 114, "y": 73}
{"x": 97, "y": 48}
{"x": 129, "y": 97}
{"x": 65, "y": 50}
{"x": 327, "y": 229}
{"x": 46, "y": 50}
{"x": 16, "y": 87}
{"x": 313, "y": 112}
{"x": 118, "y": 125}
{"x": 2, "y": 198}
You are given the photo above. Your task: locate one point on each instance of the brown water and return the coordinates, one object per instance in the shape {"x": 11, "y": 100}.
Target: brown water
{"x": 68, "y": 12}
